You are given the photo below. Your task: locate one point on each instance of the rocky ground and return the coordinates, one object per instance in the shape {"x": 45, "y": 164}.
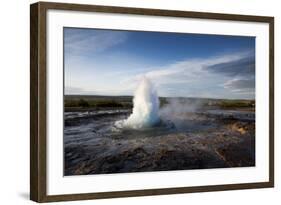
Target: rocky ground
{"x": 198, "y": 141}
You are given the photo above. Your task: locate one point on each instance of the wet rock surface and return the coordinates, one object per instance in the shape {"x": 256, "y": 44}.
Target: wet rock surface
{"x": 92, "y": 145}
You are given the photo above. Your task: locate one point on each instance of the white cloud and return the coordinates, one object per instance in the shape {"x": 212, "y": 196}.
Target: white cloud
{"x": 193, "y": 74}
{"x": 188, "y": 78}
{"x": 240, "y": 83}
{"x": 242, "y": 86}
{"x": 91, "y": 41}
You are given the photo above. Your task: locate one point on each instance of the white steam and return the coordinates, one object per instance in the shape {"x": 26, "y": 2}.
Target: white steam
{"x": 146, "y": 106}
{"x": 146, "y": 112}
{"x": 176, "y": 107}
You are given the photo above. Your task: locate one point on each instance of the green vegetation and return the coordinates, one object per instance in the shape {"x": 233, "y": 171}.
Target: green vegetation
{"x": 96, "y": 102}
{"x": 237, "y": 104}
{"x": 83, "y": 103}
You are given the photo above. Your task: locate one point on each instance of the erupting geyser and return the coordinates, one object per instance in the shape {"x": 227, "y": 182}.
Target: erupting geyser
{"x": 146, "y": 107}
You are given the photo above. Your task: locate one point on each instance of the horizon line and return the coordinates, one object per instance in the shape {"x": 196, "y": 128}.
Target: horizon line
{"x": 160, "y": 97}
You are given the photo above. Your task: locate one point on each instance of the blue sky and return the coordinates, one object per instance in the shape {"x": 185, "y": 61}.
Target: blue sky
{"x": 107, "y": 62}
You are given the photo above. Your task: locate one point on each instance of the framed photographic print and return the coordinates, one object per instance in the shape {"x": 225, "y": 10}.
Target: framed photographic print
{"x": 134, "y": 102}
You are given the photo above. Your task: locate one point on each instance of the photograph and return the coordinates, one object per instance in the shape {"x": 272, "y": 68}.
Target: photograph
{"x": 146, "y": 101}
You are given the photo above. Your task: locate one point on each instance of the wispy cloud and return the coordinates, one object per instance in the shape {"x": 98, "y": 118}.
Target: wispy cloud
{"x": 243, "y": 66}
{"x": 107, "y": 62}
{"x": 91, "y": 41}
{"x": 73, "y": 90}
{"x": 196, "y": 76}
{"x": 241, "y": 85}
{"x": 221, "y": 76}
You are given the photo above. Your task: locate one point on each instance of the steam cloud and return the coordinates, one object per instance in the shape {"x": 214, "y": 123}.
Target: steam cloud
{"x": 146, "y": 112}
{"x": 177, "y": 107}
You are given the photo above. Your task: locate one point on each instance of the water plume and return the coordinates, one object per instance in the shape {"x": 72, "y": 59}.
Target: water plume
{"x": 146, "y": 107}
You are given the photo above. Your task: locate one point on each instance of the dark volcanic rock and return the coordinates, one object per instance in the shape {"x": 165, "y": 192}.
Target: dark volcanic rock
{"x": 92, "y": 147}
